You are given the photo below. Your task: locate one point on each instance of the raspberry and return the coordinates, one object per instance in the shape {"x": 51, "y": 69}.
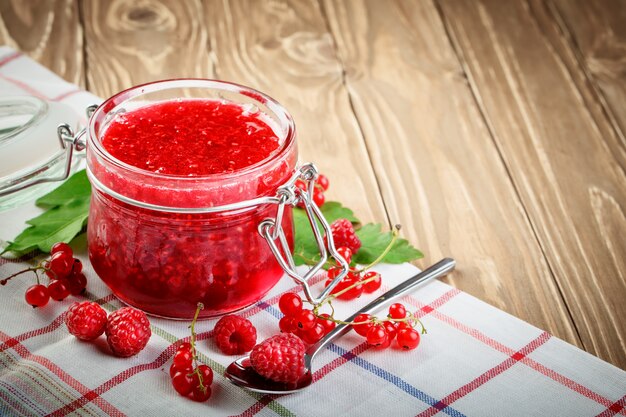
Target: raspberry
{"x": 234, "y": 335}
{"x": 344, "y": 235}
{"x": 128, "y": 331}
{"x": 86, "y": 320}
{"x": 279, "y": 358}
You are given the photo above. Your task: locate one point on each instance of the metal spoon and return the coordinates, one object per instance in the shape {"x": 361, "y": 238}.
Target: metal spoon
{"x": 240, "y": 372}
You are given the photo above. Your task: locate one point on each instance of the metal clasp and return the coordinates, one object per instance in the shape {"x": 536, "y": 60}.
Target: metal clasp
{"x": 271, "y": 229}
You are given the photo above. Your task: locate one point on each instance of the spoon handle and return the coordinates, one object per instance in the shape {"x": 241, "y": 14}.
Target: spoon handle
{"x": 439, "y": 269}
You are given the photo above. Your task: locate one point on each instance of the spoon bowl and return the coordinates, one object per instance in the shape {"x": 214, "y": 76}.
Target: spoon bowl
{"x": 241, "y": 373}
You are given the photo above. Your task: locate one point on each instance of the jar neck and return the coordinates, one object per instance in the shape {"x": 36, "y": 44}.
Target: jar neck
{"x": 189, "y": 193}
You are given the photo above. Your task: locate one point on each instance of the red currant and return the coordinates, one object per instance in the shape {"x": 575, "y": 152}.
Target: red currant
{"x": 374, "y": 284}
{"x": 61, "y": 247}
{"x": 288, "y": 324}
{"x": 345, "y": 253}
{"x": 60, "y": 264}
{"x": 322, "y": 181}
{"x": 376, "y": 335}
{"x": 392, "y": 330}
{"x": 301, "y": 185}
{"x": 37, "y": 295}
{"x": 385, "y": 344}
{"x": 174, "y": 370}
{"x": 328, "y": 325}
{"x": 305, "y": 320}
{"x": 348, "y": 281}
{"x": 314, "y": 334}
{"x": 58, "y": 289}
{"x": 365, "y": 324}
{"x": 333, "y": 272}
{"x": 77, "y": 266}
{"x": 77, "y": 283}
{"x": 318, "y": 198}
{"x": 198, "y": 394}
{"x": 290, "y": 304}
{"x": 207, "y": 375}
{"x": 183, "y": 360}
{"x": 397, "y": 311}
{"x": 183, "y": 383}
{"x": 408, "y": 339}
{"x": 186, "y": 346}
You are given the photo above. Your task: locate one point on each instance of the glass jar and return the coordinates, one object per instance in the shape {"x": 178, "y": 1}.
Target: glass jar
{"x": 153, "y": 238}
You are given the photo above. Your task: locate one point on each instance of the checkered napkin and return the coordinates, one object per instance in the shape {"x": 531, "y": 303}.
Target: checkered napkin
{"x": 475, "y": 360}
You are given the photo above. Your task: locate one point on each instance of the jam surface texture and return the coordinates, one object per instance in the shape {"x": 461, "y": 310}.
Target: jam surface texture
{"x": 190, "y": 137}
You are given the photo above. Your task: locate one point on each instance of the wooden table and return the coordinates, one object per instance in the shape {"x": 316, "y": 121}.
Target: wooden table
{"x": 493, "y": 131}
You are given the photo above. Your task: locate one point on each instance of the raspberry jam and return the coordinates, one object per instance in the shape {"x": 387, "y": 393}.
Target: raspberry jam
{"x": 160, "y": 156}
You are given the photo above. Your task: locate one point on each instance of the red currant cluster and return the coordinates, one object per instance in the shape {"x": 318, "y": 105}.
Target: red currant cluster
{"x": 321, "y": 185}
{"x": 301, "y": 321}
{"x": 127, "y": 329}
{"x": 190, "y": 379}
{"x": 356, "y": 282}
{"x": 399, "y": 325}
{"x": 65, "y": 275}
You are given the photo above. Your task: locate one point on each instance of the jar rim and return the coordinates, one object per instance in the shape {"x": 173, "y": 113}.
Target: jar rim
{"x": 286, "y": 123}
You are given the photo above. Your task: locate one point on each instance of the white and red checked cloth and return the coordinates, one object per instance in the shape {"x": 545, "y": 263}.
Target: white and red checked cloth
{"x": 475, "y": 360}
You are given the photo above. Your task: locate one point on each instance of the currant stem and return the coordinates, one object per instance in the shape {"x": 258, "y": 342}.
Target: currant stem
{"x": 192, "y": 342}
{"x": 338, "y": 293}
{"x": 33, "y": 268}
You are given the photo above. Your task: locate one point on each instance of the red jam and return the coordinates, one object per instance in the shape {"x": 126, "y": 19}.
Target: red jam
{"x": 165, "y": 262}
{"x": 190, "y": 138}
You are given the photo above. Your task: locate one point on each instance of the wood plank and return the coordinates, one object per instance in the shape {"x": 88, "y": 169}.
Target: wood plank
{"x": 286, "y": 51}
{"x": 596, "y": 30}
{"x": 130, "y": 43}
{"x": 48, "y": 31}
{"x": 572, "y": 186}
{"x": 441, "y": 175}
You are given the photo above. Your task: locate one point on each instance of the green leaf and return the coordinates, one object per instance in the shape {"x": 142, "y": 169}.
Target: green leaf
{"x": 333, "y": 210}
{"x": 77, "y": 187}
{"x": 305, "y": 246}
{"x": 66, "y": 215}
{"x": 374, "y": 242}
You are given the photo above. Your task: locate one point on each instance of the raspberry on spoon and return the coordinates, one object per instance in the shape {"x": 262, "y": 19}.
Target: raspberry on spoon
{"x": 279, "y": 358}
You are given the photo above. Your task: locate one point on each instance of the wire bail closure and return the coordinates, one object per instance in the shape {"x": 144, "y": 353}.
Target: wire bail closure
{"x": 271, "y": 229}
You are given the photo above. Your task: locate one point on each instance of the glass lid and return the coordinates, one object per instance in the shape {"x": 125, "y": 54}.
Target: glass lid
{"x": 29, "y": 146}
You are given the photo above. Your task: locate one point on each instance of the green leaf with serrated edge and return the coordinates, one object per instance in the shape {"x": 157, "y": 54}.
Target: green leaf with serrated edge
{"x": 374, "y": 242}
{"x": 66, "y": 215}
{"x": 305, "y": 246}
{"x": 333, "y": 210}
{"x": 77, "y": 187}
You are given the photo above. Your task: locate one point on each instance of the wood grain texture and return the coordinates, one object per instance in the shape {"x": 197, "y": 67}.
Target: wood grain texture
{"x": 597, "y": 31}
{"x": 48, "y": 31}
{"x": 440, "y": 172}
{"x": 287, "y": 52}
{"x": 571, "y": 185}
{"x": 130, "y": 43}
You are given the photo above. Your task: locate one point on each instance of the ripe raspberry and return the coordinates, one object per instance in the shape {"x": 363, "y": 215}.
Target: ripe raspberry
{"x": 86, "y": 320}
{"x": 344, "y": 235}
{"x": 128, "y": 331}
{"x": 234, "y": 335}
{"x": 279, "y": 358}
